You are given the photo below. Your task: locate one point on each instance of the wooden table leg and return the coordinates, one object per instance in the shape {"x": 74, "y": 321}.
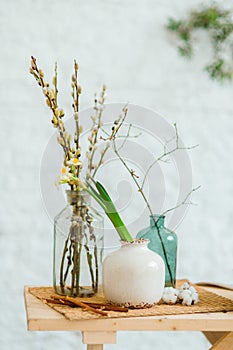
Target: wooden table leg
{"x": 96, "y": 340}
{"x": 224, "y": 343}
{"x": 220, "y": 340}
{"x": 213, "y": 337}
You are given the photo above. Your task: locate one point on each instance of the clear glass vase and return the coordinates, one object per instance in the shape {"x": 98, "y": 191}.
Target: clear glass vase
{"x": 78, "y": 247}
{"x": 168, "y": 251}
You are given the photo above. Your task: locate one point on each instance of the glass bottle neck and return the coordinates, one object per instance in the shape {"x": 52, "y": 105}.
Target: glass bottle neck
{"x": 78, "y": 197}
{"x": 157, "y": 220}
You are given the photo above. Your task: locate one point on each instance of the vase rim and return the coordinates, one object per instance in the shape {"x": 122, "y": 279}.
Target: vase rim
{"x": 77, "y": 191}
{"x": 135, "y": 242}
{"x": 157, "y": 215}
{"x": 80, "y": 195}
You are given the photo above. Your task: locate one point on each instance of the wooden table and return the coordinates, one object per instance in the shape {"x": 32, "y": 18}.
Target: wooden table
{"x": 217, "y": 327}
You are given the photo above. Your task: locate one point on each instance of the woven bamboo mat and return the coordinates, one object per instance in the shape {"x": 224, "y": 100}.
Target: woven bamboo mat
{"x": 209, "y": 302}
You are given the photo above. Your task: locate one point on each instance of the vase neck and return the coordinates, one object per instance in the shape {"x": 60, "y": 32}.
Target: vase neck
{"x": 157, "y": 220}
{"x": 137, "y": 243}
{"x": 78, "y": 197}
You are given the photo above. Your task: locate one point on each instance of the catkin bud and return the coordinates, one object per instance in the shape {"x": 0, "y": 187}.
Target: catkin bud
{"x": 56, "y": 112}
{"x": 46, "y": 91}
{"x": 41, "y": 73}
{"x": 52, "y": 94}
{"x": 60, "y": 141}
{"x": 33, "y": 63}
{"x": 61, "y": 113}
{"x": 55, "y": 121}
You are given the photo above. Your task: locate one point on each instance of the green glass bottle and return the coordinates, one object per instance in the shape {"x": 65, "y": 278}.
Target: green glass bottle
{"x": 169, "y": 240}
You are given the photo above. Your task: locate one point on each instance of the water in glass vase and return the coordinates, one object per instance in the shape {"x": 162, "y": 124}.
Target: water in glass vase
{"x": 78, "y": 247}
{"x": 168, "y": 250}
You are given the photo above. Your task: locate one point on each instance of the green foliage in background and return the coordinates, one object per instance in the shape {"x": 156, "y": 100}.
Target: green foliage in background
{"x": 219, "y": 24}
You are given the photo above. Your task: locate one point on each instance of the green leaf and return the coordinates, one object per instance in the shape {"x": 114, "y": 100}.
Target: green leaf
{"x": 106, "y": 203}
{"x": 96, "y": 196}
{"x": 102, "y": 191}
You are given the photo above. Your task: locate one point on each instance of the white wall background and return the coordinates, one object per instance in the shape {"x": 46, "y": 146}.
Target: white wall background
{"x": 125, "y": 45}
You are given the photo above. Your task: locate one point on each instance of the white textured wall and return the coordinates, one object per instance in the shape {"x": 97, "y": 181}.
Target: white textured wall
{"x": 125, "y": 45}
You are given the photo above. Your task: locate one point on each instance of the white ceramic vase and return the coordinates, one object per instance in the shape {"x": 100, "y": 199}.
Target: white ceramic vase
{"x": 133, "y": 275}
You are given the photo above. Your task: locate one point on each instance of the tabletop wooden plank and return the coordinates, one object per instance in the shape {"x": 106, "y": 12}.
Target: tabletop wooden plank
{"x": 41, "y": 317}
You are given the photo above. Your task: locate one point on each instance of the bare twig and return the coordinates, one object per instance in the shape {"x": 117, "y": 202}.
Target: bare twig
{"x": 166, "y": 153}
{"x": 125, "y": 137}
{"x": 183, "y": 202}
{"x": 119, "y": 122}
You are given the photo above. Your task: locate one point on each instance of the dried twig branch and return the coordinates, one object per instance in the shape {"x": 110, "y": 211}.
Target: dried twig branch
{"x": 184, "y": 202}
{"x": 58, "y": 300}
{"x": 166, "y": 153}
{"x": 80, "y": 304}
{"x": 119, "y": 122}
{"x": 125, "y": 137}
{"x": 109, "y": 307}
